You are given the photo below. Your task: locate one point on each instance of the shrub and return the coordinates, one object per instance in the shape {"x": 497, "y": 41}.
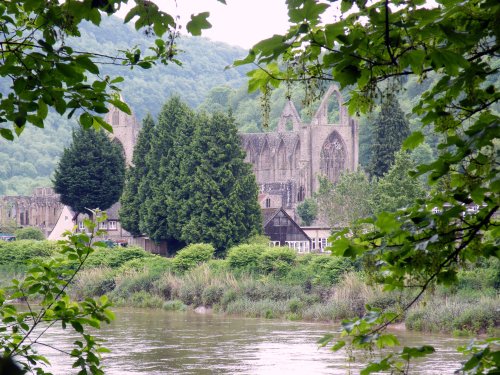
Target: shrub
{"x": 115, "y": 257}
{"x": 328, "y": 270}
{"x": 229, "y": 296}
{"x": 245, "y": 257}
{"x": 167, "y": 286}
{"x": 29, "y": 233}
{"x": 277, "y": 261}
{"x": 16, "y": 254}
{"x": 141, "y": 299}
{"x": 454, "y": 314}
{"x": 257, "y": 309}
{"x": 192, "y": 255}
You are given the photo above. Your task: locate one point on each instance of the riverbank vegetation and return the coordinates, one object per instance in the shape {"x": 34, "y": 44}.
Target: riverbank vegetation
{"x": 255, "y": 280}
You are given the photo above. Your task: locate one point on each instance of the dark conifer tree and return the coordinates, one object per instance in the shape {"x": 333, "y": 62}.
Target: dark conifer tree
{"x": 219, "y": 189}
{"x": 91, "y": 172}
{"x": 162, "y": 163}
{"x": 131, "y": 198}
{"x": 391, "y": 129}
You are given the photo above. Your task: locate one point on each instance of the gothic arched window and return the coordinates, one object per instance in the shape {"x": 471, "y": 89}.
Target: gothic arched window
{"x": 333, "y": 155}
{"x": 296, "y": 156}
{"x": 282, "y": 162}
{"x": 265, "y": 158}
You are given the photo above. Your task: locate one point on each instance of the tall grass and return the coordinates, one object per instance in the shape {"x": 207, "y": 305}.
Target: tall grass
{"x": 258, "y": 282}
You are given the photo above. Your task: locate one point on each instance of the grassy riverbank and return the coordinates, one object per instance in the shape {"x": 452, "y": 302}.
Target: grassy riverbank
{"x": 257, "y": 281}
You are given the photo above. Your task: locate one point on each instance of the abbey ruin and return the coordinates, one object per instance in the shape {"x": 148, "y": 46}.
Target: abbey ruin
{"x": 287, "y": 162}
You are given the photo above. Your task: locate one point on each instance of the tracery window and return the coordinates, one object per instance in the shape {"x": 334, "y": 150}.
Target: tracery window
{"x": 333, "y": 157}
{"x": 282, "y": 162}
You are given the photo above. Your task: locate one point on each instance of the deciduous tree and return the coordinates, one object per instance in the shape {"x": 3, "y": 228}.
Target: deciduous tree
{"x": 308, "y": 211}
{"x": 348, "y": 200}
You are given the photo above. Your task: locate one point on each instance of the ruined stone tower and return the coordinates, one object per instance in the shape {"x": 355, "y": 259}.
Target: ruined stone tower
{"x": 125, "y": 130}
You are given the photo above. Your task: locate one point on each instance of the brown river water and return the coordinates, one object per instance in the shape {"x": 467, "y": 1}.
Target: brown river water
{"x": 158, "y": 342}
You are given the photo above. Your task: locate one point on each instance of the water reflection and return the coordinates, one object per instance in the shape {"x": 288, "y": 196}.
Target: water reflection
{"x": 159, "y": 342}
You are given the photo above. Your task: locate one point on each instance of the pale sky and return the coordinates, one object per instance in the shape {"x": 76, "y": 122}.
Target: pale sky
{"x": 241, "y": 22}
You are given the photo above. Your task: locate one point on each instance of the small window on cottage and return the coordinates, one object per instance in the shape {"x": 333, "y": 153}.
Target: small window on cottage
{"x": 103, "y": 225}
{"x": 81, "y": 226}
{"x": 112, "y": 225}
{"x": 268, "y": 202}
{"x": 322, "y": 243}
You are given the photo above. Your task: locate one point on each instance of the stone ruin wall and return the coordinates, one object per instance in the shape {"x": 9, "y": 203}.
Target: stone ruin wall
{"x": 287, "y": 162}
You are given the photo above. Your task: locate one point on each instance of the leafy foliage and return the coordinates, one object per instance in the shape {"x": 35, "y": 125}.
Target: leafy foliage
{"x": 17, "y": 254}
{"x": 380, "y": 42}
{"x": 44, "y": 292}
{"x": 391, "y": 129}
{"x": 277, "y": 261}
{"x": 45, "y": 72}
{"x": 91, "y": 172}
{"x": 245, "y": 256}
{"x": 29, "y": 233}
{"x": 397, "y": 189}
{"x": 307, "y": 211}
{"x": 193, "y": 255}
{"x": 348, "y": 200}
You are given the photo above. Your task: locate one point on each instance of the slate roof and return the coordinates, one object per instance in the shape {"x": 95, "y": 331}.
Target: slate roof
{"x": 268, "y": 214}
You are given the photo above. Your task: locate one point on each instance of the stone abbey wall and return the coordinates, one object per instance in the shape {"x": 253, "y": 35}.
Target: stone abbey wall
{"x": 288, "y": 161}
{"x": 42, "y": 209}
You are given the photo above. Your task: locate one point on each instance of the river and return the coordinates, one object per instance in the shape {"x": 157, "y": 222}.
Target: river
{"x": 159, "y": 342}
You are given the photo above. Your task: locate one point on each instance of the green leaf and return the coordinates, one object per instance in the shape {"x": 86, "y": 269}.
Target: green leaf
{"x": 7, "y": 134}
{"x": 77, "y": 326}
{"x": 86, "y": 120}
{"x": 387, "y": 222}
{"x": 325, "y": 340}
{"x": 121, "y": 106}
{"x": 67, "y": 70}
{"x": 338, "y": 345}
{"x": 198, "y": 22}
{"x": 413, "y": 141}
{"x": 87, "y": 63}
{"x": 99, "y": 122}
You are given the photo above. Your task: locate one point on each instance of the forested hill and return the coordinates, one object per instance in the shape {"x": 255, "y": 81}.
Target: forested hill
{"x": 145, "y": 90}
{"x": 30, "y": 160}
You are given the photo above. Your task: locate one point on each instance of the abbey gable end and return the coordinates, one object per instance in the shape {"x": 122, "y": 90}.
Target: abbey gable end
{"x": 288, "y": 161}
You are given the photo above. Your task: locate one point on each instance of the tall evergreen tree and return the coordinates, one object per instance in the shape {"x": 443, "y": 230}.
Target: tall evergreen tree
{"x": 219, "y": 189}
{"x": 91, "y": 172}
{"x": 156, "y": 214}
{"x": 131, "y": 198}
{"x": 391, "y": 129}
